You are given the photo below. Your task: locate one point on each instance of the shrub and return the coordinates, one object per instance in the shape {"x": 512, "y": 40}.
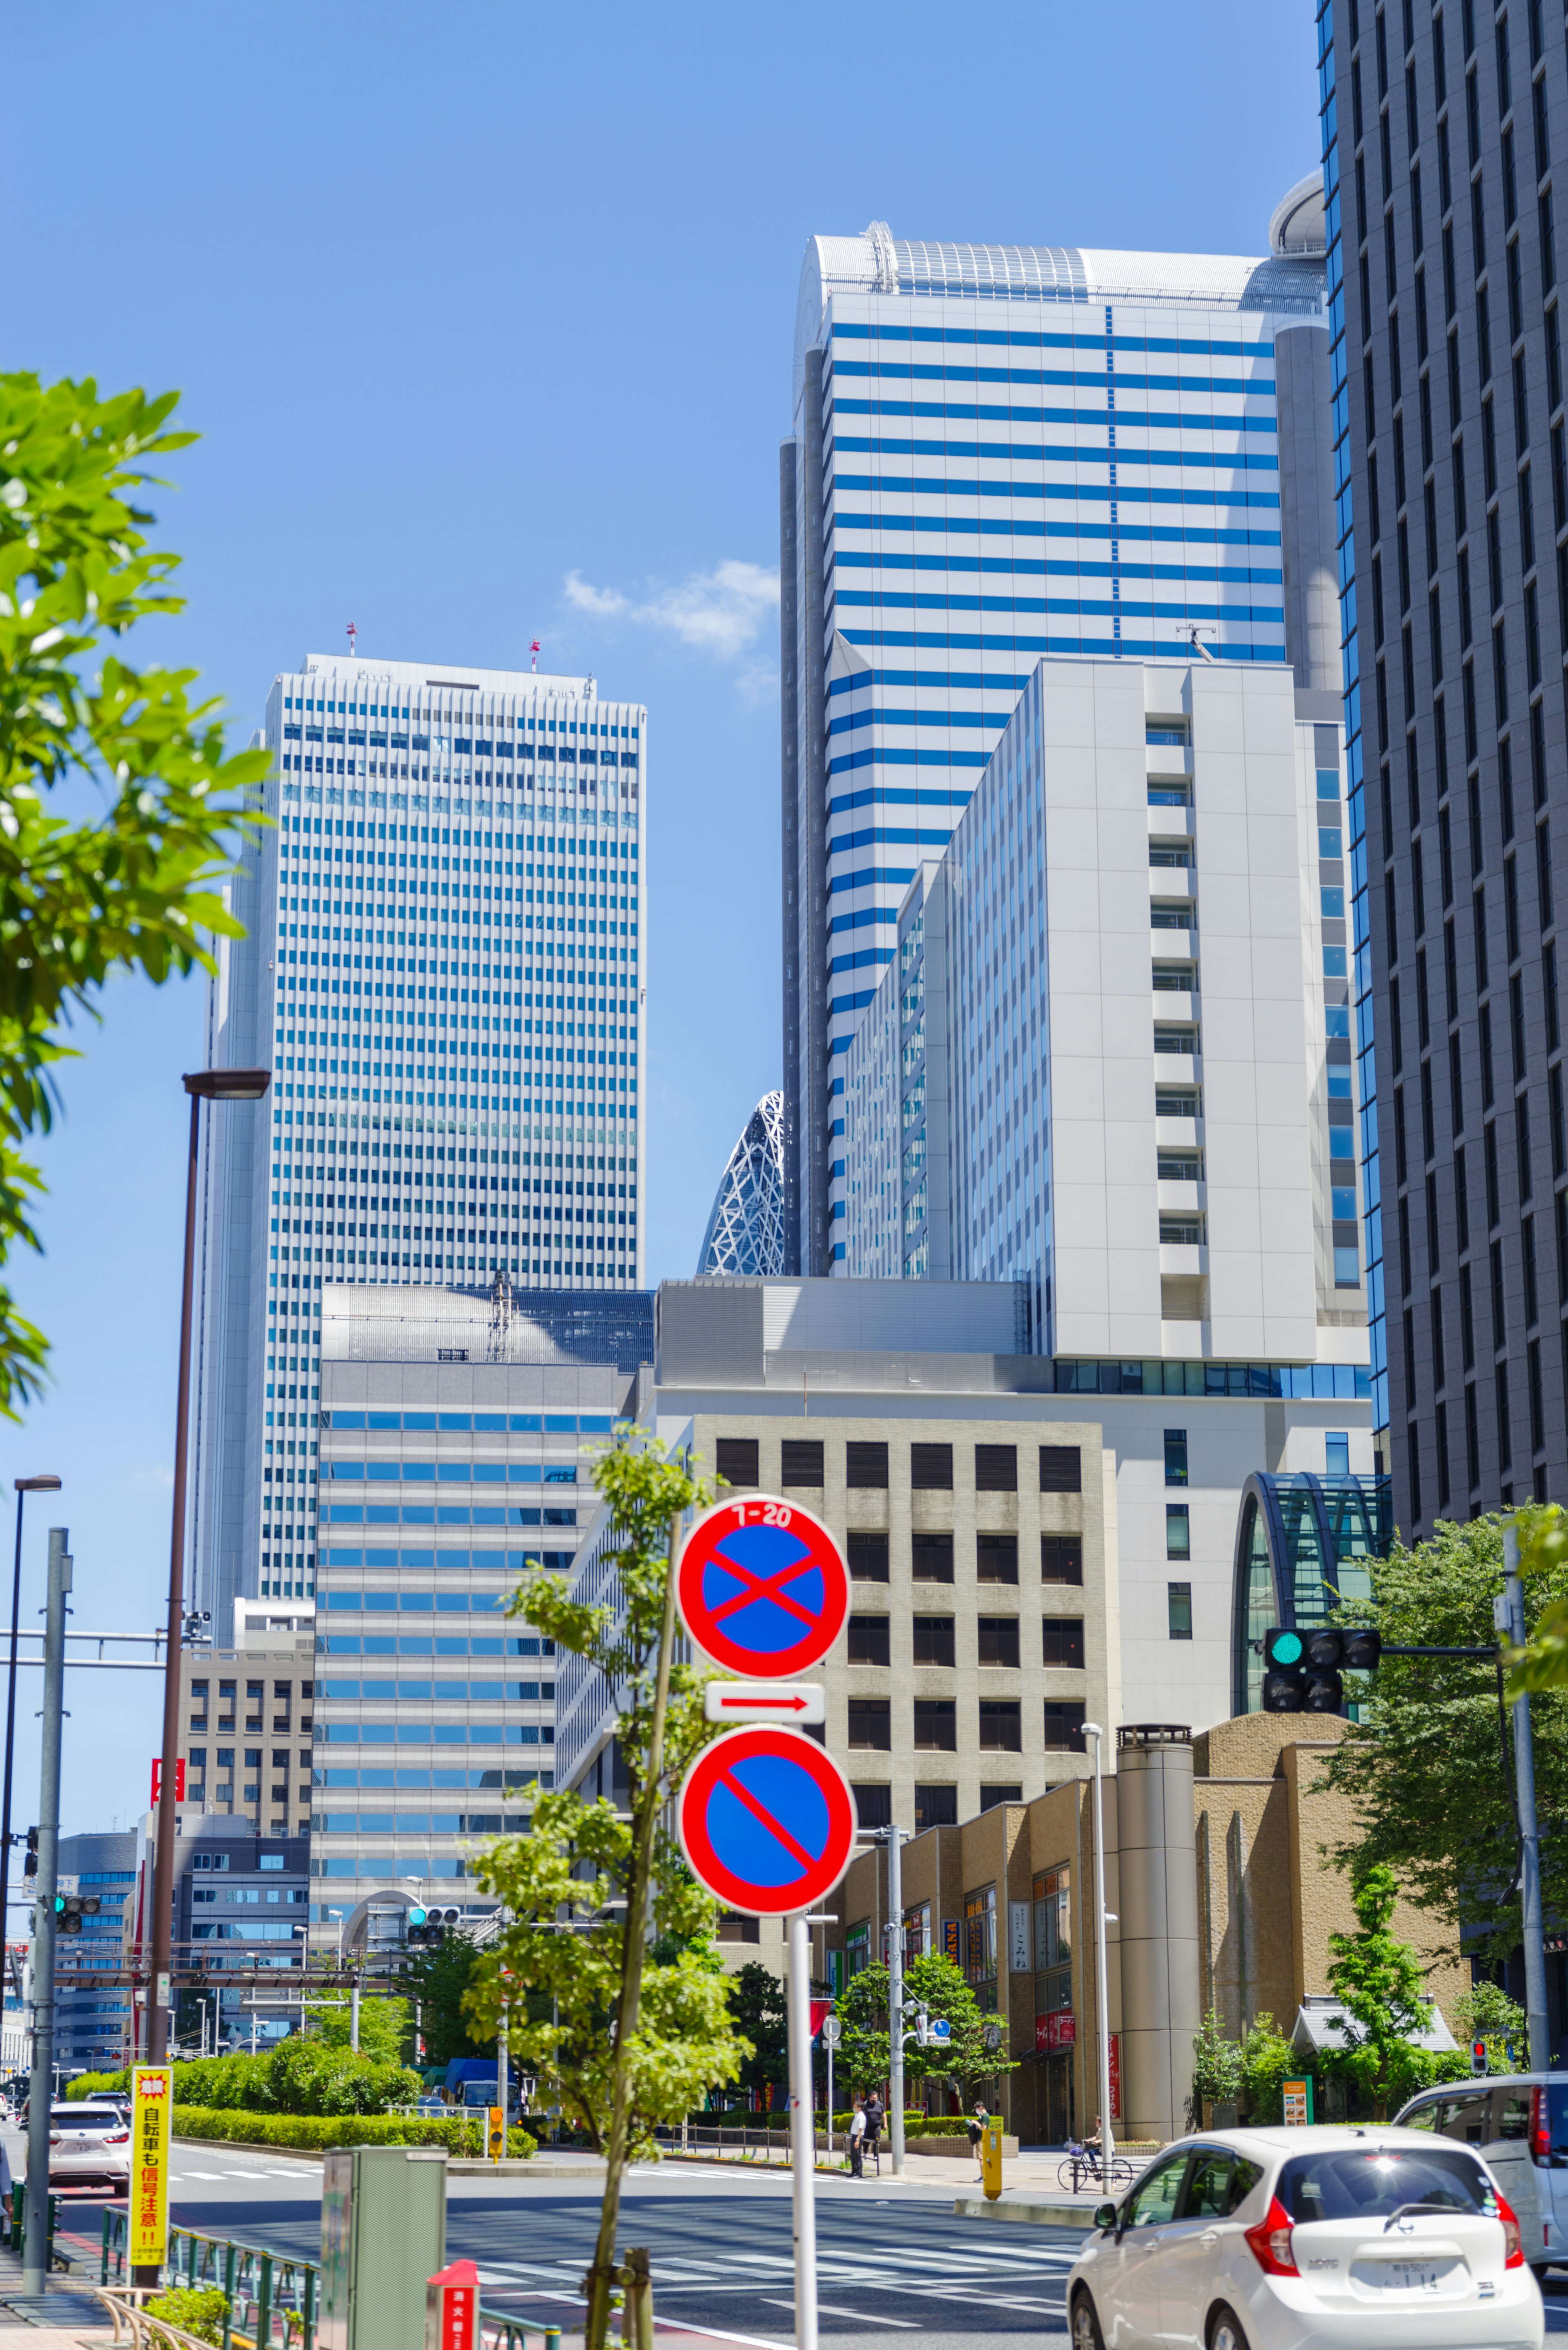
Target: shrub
{"x": 197, "y": 2311}
{"x": 314, "y": 2131}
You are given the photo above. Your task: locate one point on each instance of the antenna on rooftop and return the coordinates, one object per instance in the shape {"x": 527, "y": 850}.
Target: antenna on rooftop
{"x": 533, "y": 649}
{"x": 353, "y": 641}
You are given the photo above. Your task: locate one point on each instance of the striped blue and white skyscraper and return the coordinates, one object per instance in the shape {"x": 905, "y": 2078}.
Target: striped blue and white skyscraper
{"x": 443, "y": 963}
{"x": 1000, "y": 453}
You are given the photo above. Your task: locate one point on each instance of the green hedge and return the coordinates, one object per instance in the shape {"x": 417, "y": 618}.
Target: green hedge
{"x": 315, "y": 2131}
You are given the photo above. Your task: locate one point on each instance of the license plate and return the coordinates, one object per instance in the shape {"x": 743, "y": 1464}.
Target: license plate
{"x": 1409, "y": 2276}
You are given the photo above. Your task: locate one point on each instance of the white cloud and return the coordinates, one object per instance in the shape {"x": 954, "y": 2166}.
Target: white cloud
{"x": 719, "y": 611}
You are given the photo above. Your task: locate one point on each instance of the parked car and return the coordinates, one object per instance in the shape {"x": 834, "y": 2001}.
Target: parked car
{"x": 89, "y": 2146}
{"x": 1281, "y": 2238}
{"x": 1519, "y": 2127}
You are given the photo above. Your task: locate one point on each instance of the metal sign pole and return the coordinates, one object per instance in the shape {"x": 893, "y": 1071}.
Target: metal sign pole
{"x": 803, "y": 2134}
{"x": 896, "y": 1997}
{"x": 1102, "y": 1971}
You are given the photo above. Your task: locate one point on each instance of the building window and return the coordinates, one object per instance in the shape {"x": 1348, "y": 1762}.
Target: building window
{"x": 1179, "y": 1610}
{"x": 1008, "y": 1791}
{"x": 865, "y": 1466}
{"x": 1064, "y": 1727}
{"x": 997, "y": 1639}
{"x": 932, "y": 1557}
{"x": 733, "y": 1928}
{"x": 868, "y": 1557}
{"x": 996, "y": 1558}
{"x": 936, "y": 1806}
{"x": 858, "y": 1948}
{"x": 1061, "y": 1469}
{"x": 935, "y": 1725}
{"x": 996, "y": 1468}
{"x": 873, "y": 1802}
{"x": 1061, "y": 1559}
{"x": 869, "y": 1640}
{"x": 1178, "y": 1531}
{"x": 1337, "y": 1452}
{"x": 980, "y": 1935}
{"x": 738, "y": 1459}
{"x": 1176, "y": 1456}
{"x": 934, "y": 1640}
{"x": 1063, "y": 1642}
{"x": 870, "y": 1723}
{"x": 932, "y": 1468}
{"x": 1001, "y": 1724}
{"x": 801, "y": 1463}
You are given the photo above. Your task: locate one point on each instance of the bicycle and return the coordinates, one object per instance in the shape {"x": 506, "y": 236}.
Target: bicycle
{"x": 1083, "y": 2166}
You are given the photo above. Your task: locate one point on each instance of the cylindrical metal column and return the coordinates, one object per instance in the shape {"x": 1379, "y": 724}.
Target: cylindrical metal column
{"x": 1306, "y": 503}
{"x": 1531, "y": 1923}
{"x": 1161, "y": 1987}
{"x": 41, "y": 2094}
{"x": 896, "y": 1997}
{"x": 803, "y": 2134}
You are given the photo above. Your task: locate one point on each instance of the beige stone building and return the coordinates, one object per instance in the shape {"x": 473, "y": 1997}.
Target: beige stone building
{"x": 1220, "y": 1897}
{"x": 247, "y": 1718}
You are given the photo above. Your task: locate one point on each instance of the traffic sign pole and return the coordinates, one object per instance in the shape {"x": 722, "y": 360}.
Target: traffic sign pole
{"x": 803, "y": 2132}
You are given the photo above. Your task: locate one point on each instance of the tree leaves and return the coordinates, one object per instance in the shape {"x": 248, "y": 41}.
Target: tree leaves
{"x": 141, "y": 886}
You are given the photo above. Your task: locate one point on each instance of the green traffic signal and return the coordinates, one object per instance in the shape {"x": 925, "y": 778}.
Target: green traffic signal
{"x": 1283, "y": 1649}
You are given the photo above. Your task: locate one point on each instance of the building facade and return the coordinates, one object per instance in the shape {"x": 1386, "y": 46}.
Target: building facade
{"x": 247, "y": 1721}
{"x": 456, "y": 1448}
{"x": 93, "y": 2022}
{"x": 1438, "y": 130}
{"x": 1000, "y": 453}
{"x": 442, "y": 964}
{"x": 745, "y": 1225}
{"x": 1112, "y": 1060}
{"x": 1025, "y": 1553}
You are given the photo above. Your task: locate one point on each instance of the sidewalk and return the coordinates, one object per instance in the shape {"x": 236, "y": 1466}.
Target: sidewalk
{"x": 64, "y": 2310}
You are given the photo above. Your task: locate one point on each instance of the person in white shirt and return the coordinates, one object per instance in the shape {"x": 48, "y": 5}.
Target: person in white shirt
{"x": 858, "y": 2140}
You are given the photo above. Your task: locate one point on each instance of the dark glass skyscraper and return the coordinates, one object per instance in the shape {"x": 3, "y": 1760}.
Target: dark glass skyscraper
{"x": 1441, "y": 125}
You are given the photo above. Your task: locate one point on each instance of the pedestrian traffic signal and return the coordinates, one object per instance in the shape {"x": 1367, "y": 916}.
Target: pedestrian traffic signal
{"x": 30, "y": 1864}
{"x": 1478, "y": 2057}
{"x": 1301, "y": 1669}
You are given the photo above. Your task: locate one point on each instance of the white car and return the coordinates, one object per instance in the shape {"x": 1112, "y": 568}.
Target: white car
{"x": 89, "y": 2146}
{"x": 1307, "y": 2239}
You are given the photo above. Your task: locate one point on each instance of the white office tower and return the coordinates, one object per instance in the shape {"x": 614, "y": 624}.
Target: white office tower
{"x": 1112, "y": 1058}
{"x": 442, "y": 964}
{"x": 1000, "y": 453}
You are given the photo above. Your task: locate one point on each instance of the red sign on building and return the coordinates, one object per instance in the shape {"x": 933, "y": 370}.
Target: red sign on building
{"x": 157, "y": 1779}
{"x": 1057, "y": 2030}
{"x": 1116, "y": 2076}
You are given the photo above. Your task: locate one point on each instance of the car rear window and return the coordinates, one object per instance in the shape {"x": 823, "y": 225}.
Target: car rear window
{"x": 1339, "y": 2184}
{"x": 87, "y": 2117}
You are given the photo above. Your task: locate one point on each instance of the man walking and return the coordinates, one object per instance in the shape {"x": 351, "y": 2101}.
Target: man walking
{"x": 876, "y": 2115}
{"x": 977, "y": 2122}
{"x": 858, "y": 2140}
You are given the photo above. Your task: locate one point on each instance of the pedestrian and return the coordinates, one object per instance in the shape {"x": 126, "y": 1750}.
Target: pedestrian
{"x": 4, "y": 2183}
{"x": 858, "y": 2140}
{"x": 876, "y": 2115}
{"x": 977, "y": 2122}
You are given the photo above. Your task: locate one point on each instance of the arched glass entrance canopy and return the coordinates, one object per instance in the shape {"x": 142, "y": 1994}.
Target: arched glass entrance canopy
{"x": 1302, "y": 1547}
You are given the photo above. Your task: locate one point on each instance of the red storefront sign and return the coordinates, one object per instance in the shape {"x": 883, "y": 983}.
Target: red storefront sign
{"x": 1116, "y": 2076}
{"x": 1058, "y": 2030}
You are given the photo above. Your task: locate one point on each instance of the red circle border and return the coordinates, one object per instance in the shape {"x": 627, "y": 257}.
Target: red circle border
{"x": 734, "y": 1892}
{"x": 697, "y": 1551}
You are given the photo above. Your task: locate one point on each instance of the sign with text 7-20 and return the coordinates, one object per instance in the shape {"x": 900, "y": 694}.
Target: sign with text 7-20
{"x": 763, "y": 1586}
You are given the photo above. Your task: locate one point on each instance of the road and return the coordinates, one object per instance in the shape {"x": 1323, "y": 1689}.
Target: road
{"x": 889, "y": 2264}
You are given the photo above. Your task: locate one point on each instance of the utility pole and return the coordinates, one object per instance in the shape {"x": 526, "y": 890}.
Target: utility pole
{"x": 1102, "y": 1971}
{"x": 895, "y": 1837}
{"x": 1531, "y": 1919}
{"x": 41, "y": 2094}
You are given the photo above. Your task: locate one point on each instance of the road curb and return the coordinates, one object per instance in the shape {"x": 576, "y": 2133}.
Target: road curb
{"x": 1030, "y": 2215}
{"x": 458, "y": 2166}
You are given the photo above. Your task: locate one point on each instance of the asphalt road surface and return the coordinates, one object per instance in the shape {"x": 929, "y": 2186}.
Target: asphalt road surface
{"x": 888, "y": 2264}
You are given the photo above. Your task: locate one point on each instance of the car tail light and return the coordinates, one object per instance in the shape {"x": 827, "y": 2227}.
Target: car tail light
{"x": 53, "y": 2137}
{"x": 1540, "y": 2128}
{"x": 1512, "y": 2242}
{"x": 117, "y": 2138}
{"x": 1271, "y": 2241}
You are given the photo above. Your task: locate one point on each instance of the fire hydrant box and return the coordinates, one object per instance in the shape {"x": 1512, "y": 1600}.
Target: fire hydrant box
{"x": 452, "y": 2308}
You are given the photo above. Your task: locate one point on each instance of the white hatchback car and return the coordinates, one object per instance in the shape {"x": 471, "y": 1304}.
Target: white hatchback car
{"x": 1307, "y": 2239}
{"x": 89, "y": 2146}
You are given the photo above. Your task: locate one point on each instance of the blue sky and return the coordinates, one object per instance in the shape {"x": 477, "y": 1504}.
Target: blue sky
{"x": 468, "y": 303}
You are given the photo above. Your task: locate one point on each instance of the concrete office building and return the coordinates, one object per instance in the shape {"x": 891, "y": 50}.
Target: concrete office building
{"x": 1112, "y": 1060}
{"x": 248, "y": 1719}
{"x": 999, "y": 452}
{"x": 1439, "y": 129}
{"x": 1025, "y": 1553}
{"x": 457, "y": 1435}
{"x": 442, "y": 964}
{"x": 241, "y": 1901}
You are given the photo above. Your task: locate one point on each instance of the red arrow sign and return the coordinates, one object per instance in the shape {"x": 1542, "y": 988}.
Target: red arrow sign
{"x": 761, "y": 1701}
{"x": 773, "y": 1704}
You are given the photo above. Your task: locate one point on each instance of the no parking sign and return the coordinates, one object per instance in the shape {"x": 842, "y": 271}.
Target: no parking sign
{"x": 763, "y": 1586}
{"x": 767, "y": 1821}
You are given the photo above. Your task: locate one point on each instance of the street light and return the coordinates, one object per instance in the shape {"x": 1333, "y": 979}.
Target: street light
{"x": 24, "y": 1485}
{"x": 215, "y": 1085}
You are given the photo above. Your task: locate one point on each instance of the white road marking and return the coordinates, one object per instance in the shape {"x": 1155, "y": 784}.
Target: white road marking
{"x": 865, "y": 2317}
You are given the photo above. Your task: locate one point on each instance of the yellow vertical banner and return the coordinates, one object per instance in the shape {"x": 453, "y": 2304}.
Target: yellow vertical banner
{"x": 152, "y": 2097}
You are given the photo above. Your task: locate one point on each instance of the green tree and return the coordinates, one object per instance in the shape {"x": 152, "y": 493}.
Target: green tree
{"x": 1379, "y": 1983}
{"x": 437, "y": 1981}
{"x": 1486, "y": 2013}
{"x": 757, "y": 2003}
{"x": 632, "y": 2040}
{"x": 1268, "y": 2060}
{"x": 1218, "y": 2067}
{"x": 1430, "y": 1766}
{"x": 137, "y": 886}
{"x": 386, "y": 2026}
{"x": 964, "y": 2065}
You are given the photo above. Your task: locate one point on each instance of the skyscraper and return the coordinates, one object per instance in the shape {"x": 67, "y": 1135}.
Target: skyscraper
{"x": 1438, "y": 127}
{"x": 443, "y": 963}
{"x": 1000, "y": 452}
{"x": 745, "y": 1224}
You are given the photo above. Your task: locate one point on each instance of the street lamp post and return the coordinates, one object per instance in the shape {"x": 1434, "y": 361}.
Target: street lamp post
{"x": 24, "y": 1485}
{"x": 1102, "y": 1971}
{"x": 204, "y": 1085}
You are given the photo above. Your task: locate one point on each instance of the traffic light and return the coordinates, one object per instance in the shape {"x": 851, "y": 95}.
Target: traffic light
{"x": 30, "y": 1864}
{"x": 1301, "y": 1670}
{"x": 69, "y": 1913}
{"x": 1478, "y": 2057}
